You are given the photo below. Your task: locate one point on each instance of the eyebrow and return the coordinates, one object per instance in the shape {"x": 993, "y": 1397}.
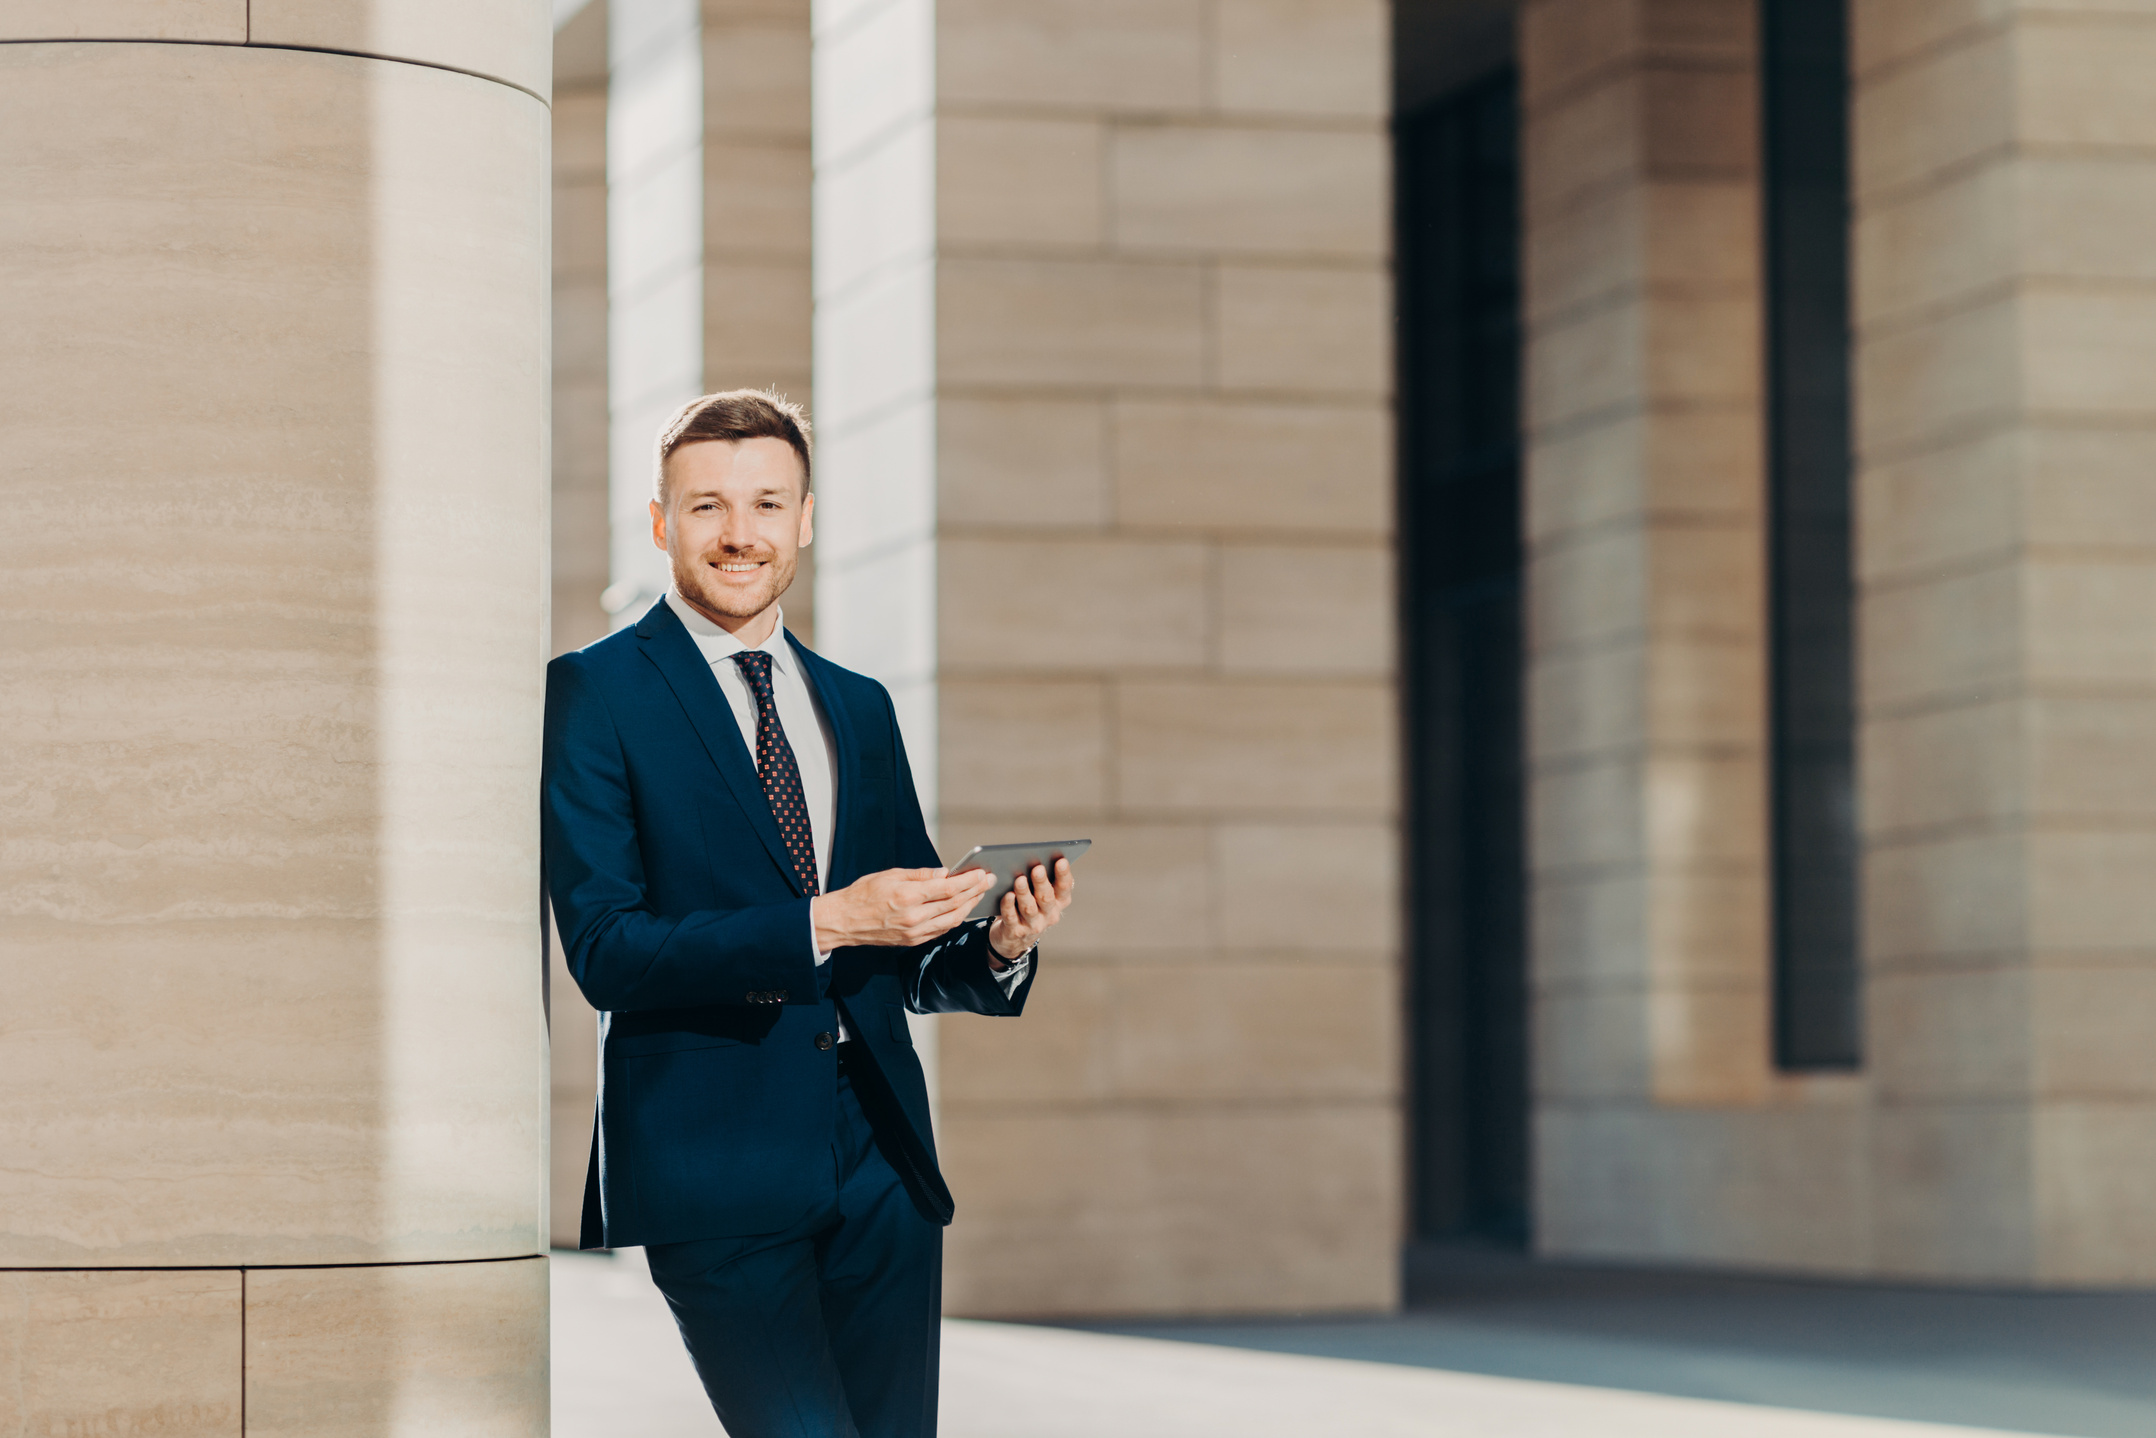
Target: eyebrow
{"x": 759, "y": 494}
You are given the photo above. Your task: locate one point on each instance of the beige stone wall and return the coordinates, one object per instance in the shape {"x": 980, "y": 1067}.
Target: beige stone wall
{"x": 2006, "y": 1118}
{"x": 1661, "y": 1129}
{"x": 2006, "y": 174}
{"x": 1140, "y": 481}
{"x": 757, "y": 179}
{"x": 273, "y": 599}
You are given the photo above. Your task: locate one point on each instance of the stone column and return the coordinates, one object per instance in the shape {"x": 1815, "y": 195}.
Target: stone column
{"x": 274, "y": 597}
{"x": 1104, "y": 371}
{"x": 1661, "y": 1129}
{"x": 2006, "y": 178}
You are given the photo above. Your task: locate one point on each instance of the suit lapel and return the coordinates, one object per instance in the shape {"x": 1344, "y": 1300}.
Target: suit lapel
{"x": 845, "y": 759}
{"x": 668, "y": 645}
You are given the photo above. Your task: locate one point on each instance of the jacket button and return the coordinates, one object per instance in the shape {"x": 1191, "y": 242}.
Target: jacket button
{"x": 824, "y": 1041}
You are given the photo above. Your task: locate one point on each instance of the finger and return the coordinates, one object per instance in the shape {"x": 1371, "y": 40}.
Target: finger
{"x": 1007, "y": 911}
{"x": 1066, "y": 880}
{"x": 974, "y": 882}
{"x": 1029, "y": 908}
{"x": 951, "y": 909}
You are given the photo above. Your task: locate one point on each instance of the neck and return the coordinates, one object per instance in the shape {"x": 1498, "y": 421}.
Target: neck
{"x": 750, "y": 631}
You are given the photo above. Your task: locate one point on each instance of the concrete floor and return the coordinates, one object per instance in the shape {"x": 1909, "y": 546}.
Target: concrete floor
{"x": 1493, "y": 1346}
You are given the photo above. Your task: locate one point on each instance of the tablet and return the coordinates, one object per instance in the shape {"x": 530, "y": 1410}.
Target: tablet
{"x": 1008, "y": 861}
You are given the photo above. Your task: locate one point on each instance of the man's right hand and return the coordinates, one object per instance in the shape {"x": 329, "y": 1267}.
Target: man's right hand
{"x": 897, "y": 908}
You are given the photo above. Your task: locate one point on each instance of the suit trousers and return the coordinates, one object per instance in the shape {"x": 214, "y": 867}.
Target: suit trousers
{"x": 827, "y": 1329}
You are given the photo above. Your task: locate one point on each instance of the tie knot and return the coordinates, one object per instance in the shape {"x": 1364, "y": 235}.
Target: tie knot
{"x": 756, "y": 664}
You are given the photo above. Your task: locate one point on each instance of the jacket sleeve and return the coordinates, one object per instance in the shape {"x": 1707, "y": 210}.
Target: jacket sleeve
{"x": 622, "y": 955}
{"x": 950, "y": 974}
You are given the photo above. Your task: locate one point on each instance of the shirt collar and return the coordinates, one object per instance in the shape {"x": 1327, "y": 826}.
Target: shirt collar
{"x": 717, "y": 646}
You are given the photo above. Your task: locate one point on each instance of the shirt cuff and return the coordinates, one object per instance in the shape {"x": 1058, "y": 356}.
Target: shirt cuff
{"x": 823, "y": 956}
{"x": 1008, "y": 978}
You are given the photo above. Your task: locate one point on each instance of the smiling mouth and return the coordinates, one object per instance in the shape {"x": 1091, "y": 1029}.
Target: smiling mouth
{"x": 739, "y": 568}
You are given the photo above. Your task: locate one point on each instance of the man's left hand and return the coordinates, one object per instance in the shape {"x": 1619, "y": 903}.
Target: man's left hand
{"x": 1029, "y": 910}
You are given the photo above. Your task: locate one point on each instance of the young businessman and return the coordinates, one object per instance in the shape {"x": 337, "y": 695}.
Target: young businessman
{"x": 746, "y": 892}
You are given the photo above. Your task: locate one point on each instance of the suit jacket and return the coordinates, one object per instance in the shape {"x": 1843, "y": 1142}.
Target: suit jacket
{"x": 687, "y": 929}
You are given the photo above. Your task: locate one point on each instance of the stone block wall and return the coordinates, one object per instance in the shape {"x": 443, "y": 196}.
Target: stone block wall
{"x": 2006, "y": 179}
{"x": 1104, "y": 313}
{"x": 1662, "y": 1130}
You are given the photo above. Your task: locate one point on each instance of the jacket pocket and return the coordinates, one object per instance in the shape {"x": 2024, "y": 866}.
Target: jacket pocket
{"x": 900, "y": 1029}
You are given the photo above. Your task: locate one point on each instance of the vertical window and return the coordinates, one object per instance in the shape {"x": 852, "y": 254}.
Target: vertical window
{"x": 1805, "y": 94}
{"x": 1460, "y": 582}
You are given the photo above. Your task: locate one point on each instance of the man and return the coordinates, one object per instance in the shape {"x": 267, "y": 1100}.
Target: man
{"x": 746, "y": 892}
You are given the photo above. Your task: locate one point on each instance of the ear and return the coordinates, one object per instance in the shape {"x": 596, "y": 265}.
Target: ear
{"x": 658, "y": 525}
{"x": 808, "y": 520}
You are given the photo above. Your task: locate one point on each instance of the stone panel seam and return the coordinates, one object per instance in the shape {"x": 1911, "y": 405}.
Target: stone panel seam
{"x": 1577, "y": 985}
{"x": 1980, "y": 693}
{"x": 1897, "y": 581}
{"x": 1968, "y": 36}
{"x": 1260, "y": 1104}
{"x": 1629, "y": 66}
{"x": 1962, "y": 37}
{"x": 1541, "y": 325}
{"x": 1643, "y": 866}
{"x": 1549, "y": 432}
{"x": 860, "y": 18}
{"x": 302, "y": 50}
{"x": 1869, "y": 200}
{"x": 1636, "y": 640}
{"x": 1560, "y": 763}
{"x": 263, "y": 1267}
{"x": 2010, "y": 823}
{"x": 2034, "y": 960}
{"x": 1567, "y": 204}
{"x": 1111, "y": 397}
{"x": 1908, "y": 319}
{"x": 1639, "y": 524}
{"x": 1553, "y": 543}
{"x": 2004, "y": 421}
{"x": 1155, "y": 117}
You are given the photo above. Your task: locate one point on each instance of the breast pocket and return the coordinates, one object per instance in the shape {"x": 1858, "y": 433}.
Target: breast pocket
{"x": 900, "y": 1029}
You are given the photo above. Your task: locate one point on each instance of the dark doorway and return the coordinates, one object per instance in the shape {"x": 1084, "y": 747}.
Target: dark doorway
{"x": 1818, "y": 983}
{"x": 1460, "y": 566}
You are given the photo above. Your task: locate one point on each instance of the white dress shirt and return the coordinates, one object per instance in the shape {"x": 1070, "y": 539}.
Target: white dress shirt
{"x": 808, "y": 732}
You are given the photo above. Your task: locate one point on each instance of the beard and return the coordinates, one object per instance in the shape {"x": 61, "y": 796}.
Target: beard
{"x": 699, "y": 585}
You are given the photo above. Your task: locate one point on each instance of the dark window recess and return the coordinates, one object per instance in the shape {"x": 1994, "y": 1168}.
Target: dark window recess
{"x": 1460, "y": 565}
{"x": 1817, "y": 988}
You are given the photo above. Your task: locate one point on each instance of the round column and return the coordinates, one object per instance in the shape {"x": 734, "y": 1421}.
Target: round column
{"x": 273, "y": 615}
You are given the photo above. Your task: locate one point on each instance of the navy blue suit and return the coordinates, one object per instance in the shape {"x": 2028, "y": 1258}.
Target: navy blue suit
{"x": 722, "y": 1096}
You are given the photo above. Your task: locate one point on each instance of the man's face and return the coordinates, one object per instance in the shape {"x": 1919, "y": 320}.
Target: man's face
{"x": 733, "y": 525}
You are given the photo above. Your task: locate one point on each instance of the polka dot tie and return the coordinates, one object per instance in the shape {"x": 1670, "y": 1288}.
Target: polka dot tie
{"x": 775, "y": 766}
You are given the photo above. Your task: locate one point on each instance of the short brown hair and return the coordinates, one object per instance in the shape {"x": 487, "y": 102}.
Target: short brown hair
{"x": 735, "y": 414}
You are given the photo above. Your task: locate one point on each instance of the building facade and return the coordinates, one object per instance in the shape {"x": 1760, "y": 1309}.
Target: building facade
{"x": 1588, "y": 566}
{"x": 1605, "y": 681}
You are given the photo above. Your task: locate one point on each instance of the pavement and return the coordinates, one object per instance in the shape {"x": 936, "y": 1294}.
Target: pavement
{"x": 1492, "y": 1346}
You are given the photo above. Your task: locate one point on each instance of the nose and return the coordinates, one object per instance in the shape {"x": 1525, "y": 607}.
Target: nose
{"x": 736, "y": 533}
